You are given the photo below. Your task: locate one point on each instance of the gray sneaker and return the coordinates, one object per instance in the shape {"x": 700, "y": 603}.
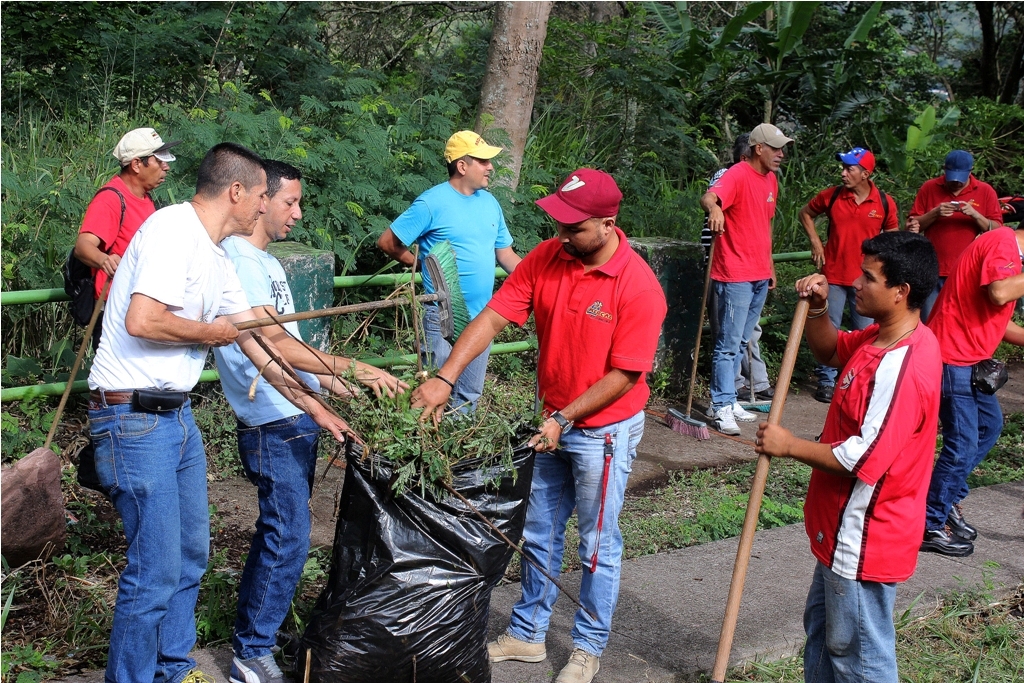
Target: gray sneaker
{"x": 582, "y": 668}
{"x": 256, "y": 670}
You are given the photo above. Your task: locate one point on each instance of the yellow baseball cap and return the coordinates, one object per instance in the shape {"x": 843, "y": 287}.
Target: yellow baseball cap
{"x": 466, "y": 142}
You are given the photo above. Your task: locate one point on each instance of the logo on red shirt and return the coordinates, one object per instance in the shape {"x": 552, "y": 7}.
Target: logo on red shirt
{"x": 847, "y": 380}
{"x": 594, "y": 311}
{"x": 771, "y": 198}
{"x": 873, "y": 214}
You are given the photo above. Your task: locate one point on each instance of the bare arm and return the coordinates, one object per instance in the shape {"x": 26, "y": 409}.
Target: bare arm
{"x": 716, "y": 217}
{"x": 393, "y": 247}
{"x": 433, "y": 394}
{"x": 779, "y": 442}
{"x": 807, "y": 220}
{"x": 1014, "y": 334}
{"x": 598, "y": 395}
{"x": 312, "y": 360}
{"x": 821, "y": 335}
{"x": 507, "y": 258}
{"x": 1002, "y": 292}
{"x": 87, "y": 249}
{"x": 981, "y": 223}
{"x": 150, "y": 319}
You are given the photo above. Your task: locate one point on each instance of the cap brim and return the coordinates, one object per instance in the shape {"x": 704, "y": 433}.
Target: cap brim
{"x": 164, "y": 156}
{"x": 167, "y": 145}
{"x": 957, "y": 176}
{"x": 555, "y": 207}
{"x": 485, "y": 152}
{"x": 847, "y": 159}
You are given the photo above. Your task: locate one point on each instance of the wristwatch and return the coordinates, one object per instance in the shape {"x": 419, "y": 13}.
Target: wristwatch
{"x": 565, "y": 425}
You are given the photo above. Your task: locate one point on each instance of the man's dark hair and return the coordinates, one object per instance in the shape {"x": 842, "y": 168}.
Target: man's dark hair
{"x": 453, "y": 165}
{"x": 276, "y": 172}
{"x": 227, "y": 163}
{"x": 908, "y": 258}
{"x": 741, "y": 147}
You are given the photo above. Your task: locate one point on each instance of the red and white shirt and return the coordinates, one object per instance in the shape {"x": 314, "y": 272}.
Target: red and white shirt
{"x": 882, "y": 426}
{"x": 587, "y": 323}
{"x": 851, "y": 223}
{"x": 743, "y": 253}
{"x": 951, "y": 235}
{"x": 968, "y": 325}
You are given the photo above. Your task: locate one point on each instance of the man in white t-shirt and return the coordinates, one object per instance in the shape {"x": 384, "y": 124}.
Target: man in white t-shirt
{"x": 277, "y": 443}
{"x": 176, "y": 295}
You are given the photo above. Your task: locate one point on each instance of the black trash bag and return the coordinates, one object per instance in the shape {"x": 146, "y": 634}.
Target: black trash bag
{"x": 409, "y": 590}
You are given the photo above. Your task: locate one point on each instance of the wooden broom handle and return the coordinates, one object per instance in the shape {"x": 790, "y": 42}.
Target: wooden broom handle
{"x": 739, "y": 572}
{"x": 336, "y": 310}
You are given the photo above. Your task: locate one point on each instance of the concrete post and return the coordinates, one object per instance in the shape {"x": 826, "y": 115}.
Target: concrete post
{"x": 310, "y": 275}
{"x": 679, "y": 267}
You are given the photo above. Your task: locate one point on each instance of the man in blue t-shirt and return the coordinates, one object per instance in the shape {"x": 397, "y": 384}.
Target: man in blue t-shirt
{"x": 465, "y": 213}
{"x": 277, "y": 443}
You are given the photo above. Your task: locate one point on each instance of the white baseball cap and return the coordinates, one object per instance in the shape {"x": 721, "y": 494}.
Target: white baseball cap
{"x": 143, "y": 142}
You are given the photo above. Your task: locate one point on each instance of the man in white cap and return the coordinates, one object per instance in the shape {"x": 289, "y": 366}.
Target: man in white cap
{"x": 121, "y": 206}
{"x": 740, "y": 207}
{"x": 465, "y": 213}
{"x": 598, "y": 308}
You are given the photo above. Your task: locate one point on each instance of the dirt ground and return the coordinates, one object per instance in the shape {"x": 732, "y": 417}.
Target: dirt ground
{"x": 661, "y": 452}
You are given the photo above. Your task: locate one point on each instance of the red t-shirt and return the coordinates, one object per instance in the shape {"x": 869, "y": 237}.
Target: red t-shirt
{"x": 967, "y": 324}
{"x": 587, "y": 323}
{"x": 882, "y": 426}
{"x": 743, "y": 253}
{"x": 103, "y": 218}
{"x": 952, "y": 234}
{"x": 851, "y": 224}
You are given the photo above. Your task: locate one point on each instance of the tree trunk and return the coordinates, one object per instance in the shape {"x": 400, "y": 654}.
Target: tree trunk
{"x": 987, "y": 69}
{"x": 510, "y": 83}
{"x": 1013, "y": 78}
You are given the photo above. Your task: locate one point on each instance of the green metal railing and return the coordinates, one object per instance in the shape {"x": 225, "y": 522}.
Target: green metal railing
{"x": 40, "y": 296}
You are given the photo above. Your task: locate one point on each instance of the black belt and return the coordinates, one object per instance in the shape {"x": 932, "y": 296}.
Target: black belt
{"x": 151, "y": 400}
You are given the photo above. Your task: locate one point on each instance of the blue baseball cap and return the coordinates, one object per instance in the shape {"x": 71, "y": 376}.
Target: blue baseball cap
{"x": 858, "y": 156}
{"x": 958, "y": 166}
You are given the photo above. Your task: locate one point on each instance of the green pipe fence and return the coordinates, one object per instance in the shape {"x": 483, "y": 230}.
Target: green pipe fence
{"x": 39, "y": 296}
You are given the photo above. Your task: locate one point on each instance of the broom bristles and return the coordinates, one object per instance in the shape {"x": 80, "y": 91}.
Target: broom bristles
{"x": 687, "y": 425}
{"x": 445, "y": 255}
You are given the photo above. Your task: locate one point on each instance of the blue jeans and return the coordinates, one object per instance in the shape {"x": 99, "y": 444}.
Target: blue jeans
{"x": 738, "y": 306}
{"x": 971, "y": 423}
{"x": 755, "y": 372}
{"x": 567, "y": 478}
{"x": 929, "y": 303}
{"x": 470, "y": 384}
{"x": 154, "y": 466}
{"x": 839, "y": 298}
{"x": 280, "y": 459}
{"x": 850, "y": 633}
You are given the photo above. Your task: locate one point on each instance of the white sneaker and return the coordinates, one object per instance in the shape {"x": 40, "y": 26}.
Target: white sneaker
{"x": 725, "y": 422}
{"x": 742, "y": 415}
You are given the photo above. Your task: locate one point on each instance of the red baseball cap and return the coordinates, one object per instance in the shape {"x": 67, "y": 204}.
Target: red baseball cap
{"x": 586, "y": 193}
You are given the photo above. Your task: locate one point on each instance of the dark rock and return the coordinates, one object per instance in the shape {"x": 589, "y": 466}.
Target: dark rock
{"x": 31, "y": 508}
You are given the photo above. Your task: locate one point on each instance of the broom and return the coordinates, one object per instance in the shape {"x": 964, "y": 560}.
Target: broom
{"x": 682, "y": 422}
{"x": 444, "y": 276}
{"x": 753, "y": 403}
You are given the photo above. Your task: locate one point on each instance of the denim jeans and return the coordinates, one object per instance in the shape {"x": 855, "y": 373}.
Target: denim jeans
{"x": 279, "y": 458}
{"x": 470, "y": 384}
{"x": 154, "y": 466}
{"x": 571, "y": 477}
{"x": 839, "y": 298}
{"x": 929, "y": 303}
{"x": 738, "y": 306}
{"x": 971, "y": 423}
{"x": 755, "y": 371}
{"x": 850, "y": 633}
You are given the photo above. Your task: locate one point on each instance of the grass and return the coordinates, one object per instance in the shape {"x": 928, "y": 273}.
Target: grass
{"x": 968, "y": 636}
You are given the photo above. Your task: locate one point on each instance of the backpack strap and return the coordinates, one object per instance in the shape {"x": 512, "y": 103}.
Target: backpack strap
{"x": 124, "y": 207}
{"x": 828, "y": 209}
{"x": 885, "y": 208}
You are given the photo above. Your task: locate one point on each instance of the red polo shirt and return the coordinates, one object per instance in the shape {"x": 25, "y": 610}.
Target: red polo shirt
{"x": 851, "y": 224}
{"x": 967, "y": 324}
{"x": 103, "y": 219}
{"x": 743, "y": 253}
{"x": 952, "y": 234}
{"x": 587, "y": 323}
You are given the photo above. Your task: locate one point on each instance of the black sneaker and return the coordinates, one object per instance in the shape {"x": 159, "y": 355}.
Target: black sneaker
{"x": 945, "y": 542}
{"x": 256, "y": 670}
{"x": 958, "y": 525}
{"x": 765, "y": 394}
{"x": 824, "y": 393}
